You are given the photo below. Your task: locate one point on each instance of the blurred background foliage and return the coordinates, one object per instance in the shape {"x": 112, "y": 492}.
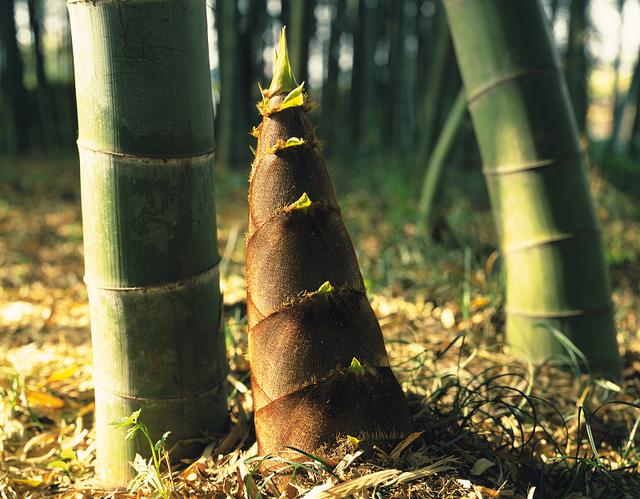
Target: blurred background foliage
{"x": 384, "y": 79}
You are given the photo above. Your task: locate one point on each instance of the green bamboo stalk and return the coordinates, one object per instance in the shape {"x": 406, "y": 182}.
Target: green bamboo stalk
{"x": 301, "y": 29}
{"x": 363, "y": 79}
{"x": 554, "y": 7}
{"x": 631, "y": 99}
{"x": 229, "y": 121}
{"x": 618, "y": 99}
{"x": 435, "y": 167}
{"x": 398, "y": 125}
{"x": 535, "y": 170}
{"x": 146, "y": 151}
{"x": 634, "y": 142}
{"x": 330, "y": 98}
{"x": 577, "y": 61}
{"x": 18, "y": 97}
{"x": 433, "y": 94}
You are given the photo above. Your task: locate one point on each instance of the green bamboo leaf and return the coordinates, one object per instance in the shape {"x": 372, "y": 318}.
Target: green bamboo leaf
{"x": 160, "y": 443}
{"x": 131, "y": 419}
{"x": 131, "y": 432}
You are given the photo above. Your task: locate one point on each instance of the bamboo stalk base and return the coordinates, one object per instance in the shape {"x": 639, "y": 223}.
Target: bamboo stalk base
{"x": 207, "y": 411}
{"x": 592, "y": 334}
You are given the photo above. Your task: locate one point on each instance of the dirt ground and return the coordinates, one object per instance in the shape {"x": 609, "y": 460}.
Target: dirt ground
{"x": 487, "y": 425}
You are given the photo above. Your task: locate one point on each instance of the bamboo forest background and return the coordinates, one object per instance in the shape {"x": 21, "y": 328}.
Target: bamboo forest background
{"x": 392, "y": 121}
{"x": 384, "y": 80}
{"x": 382, "y": 72}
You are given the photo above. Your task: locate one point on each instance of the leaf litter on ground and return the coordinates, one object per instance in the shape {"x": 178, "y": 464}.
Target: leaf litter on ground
{"x": 486, "y": 424}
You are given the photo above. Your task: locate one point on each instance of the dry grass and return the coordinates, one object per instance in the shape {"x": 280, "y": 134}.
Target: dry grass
{"x": 486, "y": 424}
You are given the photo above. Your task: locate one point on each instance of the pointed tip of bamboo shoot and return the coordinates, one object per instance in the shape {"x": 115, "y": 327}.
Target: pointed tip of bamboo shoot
{"x": 355, "y": 366}
{"x": 283, "y": 80}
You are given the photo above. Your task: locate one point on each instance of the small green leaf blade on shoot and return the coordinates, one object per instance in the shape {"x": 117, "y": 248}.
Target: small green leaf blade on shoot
{"x": 356, "y": 366}
{"x": 295, "y": 98}
{"x": 282, "y": 144}
{"x": 325, "y": 288}
{"x": 303, "y": 202}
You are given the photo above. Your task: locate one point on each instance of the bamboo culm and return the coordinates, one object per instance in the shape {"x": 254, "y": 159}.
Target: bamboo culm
{"x": 432, "y": 100}
{"x": 318, "y": 361}
{"x": 434, "y": 174}
{"x": 557, "y": 286}
{"x": 151, "y": 261}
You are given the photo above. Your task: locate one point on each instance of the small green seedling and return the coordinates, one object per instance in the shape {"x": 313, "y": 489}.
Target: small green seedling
{"x": 148, "y": 472}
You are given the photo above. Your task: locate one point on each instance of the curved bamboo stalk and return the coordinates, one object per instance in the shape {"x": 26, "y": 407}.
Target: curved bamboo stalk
{"x": 309, "y": 317}
{"x": 549, "y": 236}
{"x": 146, "y": 150}
{"x": 435, "y": 168}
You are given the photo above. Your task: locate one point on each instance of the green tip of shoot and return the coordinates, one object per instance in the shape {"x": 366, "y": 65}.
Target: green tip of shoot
{"x": 282, "y": 144}
{"x": 355, "y": 366}
{"x": 355, "y": 441}
{"x": 326, "y": 288}
{"x": 303, "y": 202}
{"x": 283, "y": 80}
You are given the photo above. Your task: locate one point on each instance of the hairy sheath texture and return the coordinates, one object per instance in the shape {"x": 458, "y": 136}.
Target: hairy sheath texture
{"x": 303, "y": 336}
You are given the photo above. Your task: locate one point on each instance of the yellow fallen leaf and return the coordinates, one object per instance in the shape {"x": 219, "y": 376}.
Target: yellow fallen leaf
{"x": 62, "y": 374}
{"x": 395, "y": 453}
{"x": 31, "y": 482}
{"x": 479, "y": 302}
{"x": 86, "y": 409}
{"x": 44, "y": 400}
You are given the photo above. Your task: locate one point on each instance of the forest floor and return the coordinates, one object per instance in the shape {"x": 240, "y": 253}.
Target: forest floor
{"x": 487, "y": 425}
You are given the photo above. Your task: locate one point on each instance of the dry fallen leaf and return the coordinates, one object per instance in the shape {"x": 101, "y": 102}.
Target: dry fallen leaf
{"x": 448, "y": 318}
{"x": 480, "y": 466}
{"x": 44, "y": 400}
